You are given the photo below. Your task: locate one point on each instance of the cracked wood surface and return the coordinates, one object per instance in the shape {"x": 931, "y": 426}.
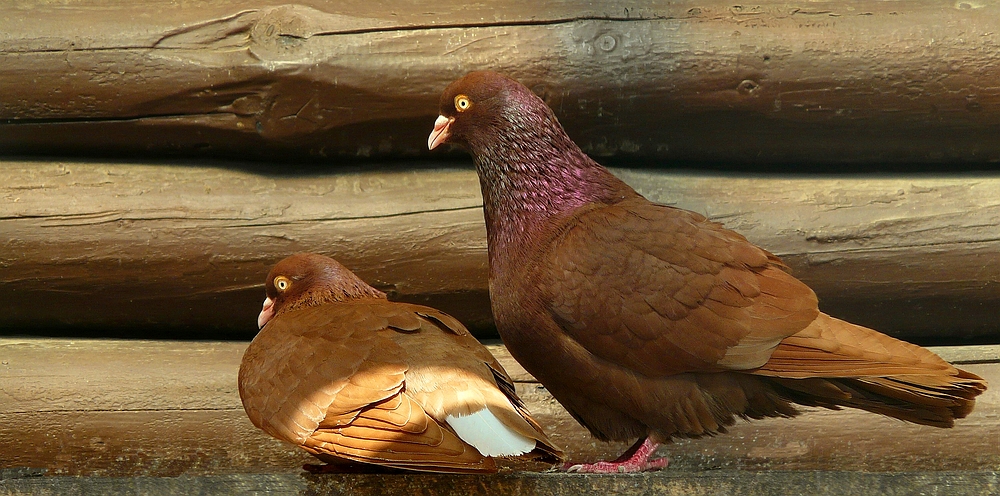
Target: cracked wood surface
{"x": 134, "y": 408}
{"x": 846, "y": 81}
{"x": 134, "y": 246}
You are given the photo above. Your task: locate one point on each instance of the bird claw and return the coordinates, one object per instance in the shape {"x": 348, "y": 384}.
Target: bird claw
{"x": 623, "y": 467}
{"x": 635, "y": 459}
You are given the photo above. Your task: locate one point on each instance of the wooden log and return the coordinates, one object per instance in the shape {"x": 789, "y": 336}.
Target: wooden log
{"x": 135, "y": 408}
{"x": 664, "y": 483}
{"x": 843, "y": 81}
{"x": 137, "y": 246}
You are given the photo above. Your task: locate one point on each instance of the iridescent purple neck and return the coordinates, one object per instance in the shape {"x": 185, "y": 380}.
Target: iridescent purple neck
{"x": 530, "y": 171}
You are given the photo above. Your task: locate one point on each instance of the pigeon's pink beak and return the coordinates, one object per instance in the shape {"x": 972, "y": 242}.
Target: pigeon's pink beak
{"x": 440, "y": 133}
{"x": 265, "y": 313}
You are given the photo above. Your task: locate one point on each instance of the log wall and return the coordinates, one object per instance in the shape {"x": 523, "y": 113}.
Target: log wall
{"x": 127, "y": 245}
{"x": 845, "y": 81}
{"x": 143, "y": 247}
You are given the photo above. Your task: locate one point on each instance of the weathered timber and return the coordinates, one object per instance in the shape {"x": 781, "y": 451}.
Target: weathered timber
{"x": 803, "y": 82}
{"x": 664, "y": 483}
{"x": 139, "y": 245}
{"x": 112, "y": 245}
{"x": 134, "y": 408}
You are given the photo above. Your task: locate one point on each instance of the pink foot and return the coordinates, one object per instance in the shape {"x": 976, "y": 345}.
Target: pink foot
{"x": 635, "y": 459}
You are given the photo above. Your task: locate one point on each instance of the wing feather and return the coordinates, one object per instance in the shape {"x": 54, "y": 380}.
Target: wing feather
{"x": 374, "y": 381}
{"x": 410, "y": 439}
{"x": 663, "y": 291}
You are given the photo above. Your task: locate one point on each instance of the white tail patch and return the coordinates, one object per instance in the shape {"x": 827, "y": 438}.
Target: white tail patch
{"x": 489, "y": 435}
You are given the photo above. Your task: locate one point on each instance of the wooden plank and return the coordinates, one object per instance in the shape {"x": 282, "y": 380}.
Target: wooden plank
{"x": 185, "y": 246}
{"x": 666, "y": 483}
{"x": 68, "y": 375}
{"x": 843, "y": 81}
{"x": 969, "y": 354}
{"x": 132, "y": 408}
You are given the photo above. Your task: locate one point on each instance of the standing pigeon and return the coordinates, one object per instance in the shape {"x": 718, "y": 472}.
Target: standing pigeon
{"x": 650, "y": 322}
{"x": 348, "y": 375}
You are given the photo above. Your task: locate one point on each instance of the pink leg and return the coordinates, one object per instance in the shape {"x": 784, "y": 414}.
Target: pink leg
{"x": 635, "y": 459}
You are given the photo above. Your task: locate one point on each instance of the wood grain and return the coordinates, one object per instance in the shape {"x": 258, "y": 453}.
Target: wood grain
{"x": 132, "y": 246}
{"x": 665, "y": 483}
{"x": 784, "y": 82}
{"x": 125, "y": 244}
{"x": 128, "y": 408}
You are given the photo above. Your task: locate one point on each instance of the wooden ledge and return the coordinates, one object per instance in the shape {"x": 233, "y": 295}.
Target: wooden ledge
{"x": 116, "y": 408}
{"x": 667, "y": 482}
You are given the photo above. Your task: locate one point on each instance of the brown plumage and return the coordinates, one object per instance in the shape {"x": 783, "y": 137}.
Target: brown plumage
{"x": 348, "y": 375}
{"x": 652, "y": 322}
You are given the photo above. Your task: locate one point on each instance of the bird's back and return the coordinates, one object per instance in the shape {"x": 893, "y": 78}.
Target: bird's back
{"x": 379, "y": 382}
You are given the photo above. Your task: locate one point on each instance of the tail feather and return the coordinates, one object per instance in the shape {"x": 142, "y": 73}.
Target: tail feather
{"x": 835, "y": 364}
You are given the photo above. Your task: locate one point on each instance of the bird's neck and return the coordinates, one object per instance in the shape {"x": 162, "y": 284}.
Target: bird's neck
{"x": 528, "y": 184}
{"x": 337, "y": 286}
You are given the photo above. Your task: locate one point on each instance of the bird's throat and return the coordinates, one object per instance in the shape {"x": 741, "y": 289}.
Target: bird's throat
{"x": 524, "y": 201}
{"x": 531, "y": 174}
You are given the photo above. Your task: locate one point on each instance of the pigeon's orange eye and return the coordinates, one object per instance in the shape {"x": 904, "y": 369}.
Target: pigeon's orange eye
{"x": 462, "y": 103}
{"x": 282, "y": 283}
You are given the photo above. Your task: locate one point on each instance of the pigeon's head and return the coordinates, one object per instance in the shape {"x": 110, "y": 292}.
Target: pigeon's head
{"x": 308, "y": 279}
{"x": 485, "y": 106}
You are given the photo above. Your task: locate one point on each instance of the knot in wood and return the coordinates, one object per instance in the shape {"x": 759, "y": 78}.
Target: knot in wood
{"x": 748, "y": 86}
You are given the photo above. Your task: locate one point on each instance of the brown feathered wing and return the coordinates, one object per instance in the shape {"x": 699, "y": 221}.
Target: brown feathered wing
{"x": 662, "y": 291}
{"x": 327, "y": 379}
